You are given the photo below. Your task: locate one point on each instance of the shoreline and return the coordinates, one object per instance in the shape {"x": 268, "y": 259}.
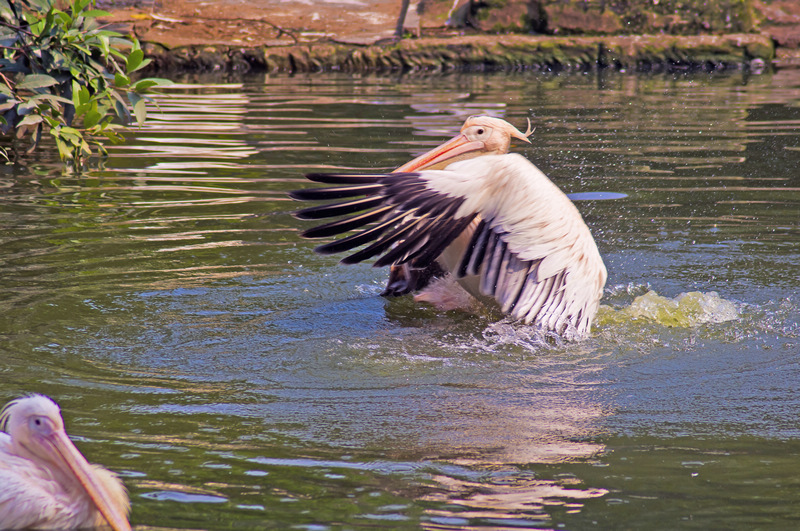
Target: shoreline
{"x": 631, "y": 53}
{"x": 298, "y": 36}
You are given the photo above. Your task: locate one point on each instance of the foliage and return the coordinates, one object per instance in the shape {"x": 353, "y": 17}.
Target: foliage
{"x": 63, "y": 73}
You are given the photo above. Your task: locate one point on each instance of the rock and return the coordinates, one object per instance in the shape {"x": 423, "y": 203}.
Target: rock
{"x": 781, "y": 21}
{"x": 438, "y": 14}
{"x": 565, "y": 19}
{"x": 508, "y": 16}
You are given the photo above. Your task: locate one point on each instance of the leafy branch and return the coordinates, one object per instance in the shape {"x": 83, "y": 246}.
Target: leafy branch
{"x": 62, "y": 72}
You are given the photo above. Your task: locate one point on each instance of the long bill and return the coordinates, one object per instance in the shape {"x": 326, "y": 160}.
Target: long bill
{"x": 64, "y": 451}
{"x": 453, "y": 148}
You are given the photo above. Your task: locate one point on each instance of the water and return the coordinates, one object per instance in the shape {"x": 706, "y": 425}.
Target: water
{"x": 236, "y": 380}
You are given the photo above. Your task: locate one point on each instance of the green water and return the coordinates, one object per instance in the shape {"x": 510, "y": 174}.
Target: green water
{"x": 236, "y": 380}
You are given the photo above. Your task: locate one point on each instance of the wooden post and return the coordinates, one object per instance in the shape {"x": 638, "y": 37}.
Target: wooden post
{"x": 398, "y": 32}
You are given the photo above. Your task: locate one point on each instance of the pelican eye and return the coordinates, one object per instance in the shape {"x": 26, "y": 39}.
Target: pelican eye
{"x": 40, "y": 424}
{"x": 481, "y": 131}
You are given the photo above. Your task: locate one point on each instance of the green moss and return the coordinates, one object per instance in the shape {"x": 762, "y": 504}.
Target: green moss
{"x": 760, "y": 50}
{"x": 678, "y": 17}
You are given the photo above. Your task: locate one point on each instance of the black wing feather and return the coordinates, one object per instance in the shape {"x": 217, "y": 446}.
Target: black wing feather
{"x": 339, "y": 192}
{"x": 476, "y": 250}
{"x": 339, "y": 209}
{"x": 344, "y": 178}
{"x": 353, "y": 241}
{"x": 347, "y": 224}
{"x": 441, "y": 240}
{"x": 401, "y": 219}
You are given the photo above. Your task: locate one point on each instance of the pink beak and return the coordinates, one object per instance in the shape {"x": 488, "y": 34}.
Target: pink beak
{"x": 62, "y": 451}
{"x": 458, "y": 145}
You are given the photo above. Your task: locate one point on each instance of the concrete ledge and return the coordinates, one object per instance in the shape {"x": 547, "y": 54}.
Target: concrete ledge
{"x": 477, "y": 53}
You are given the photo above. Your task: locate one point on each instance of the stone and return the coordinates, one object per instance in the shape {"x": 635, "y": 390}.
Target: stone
{"x": 508, "y": 16}
{"x": 570, "y": 19}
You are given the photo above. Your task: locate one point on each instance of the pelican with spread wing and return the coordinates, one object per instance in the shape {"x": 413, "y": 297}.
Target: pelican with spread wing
{"x": 491, "y": 220}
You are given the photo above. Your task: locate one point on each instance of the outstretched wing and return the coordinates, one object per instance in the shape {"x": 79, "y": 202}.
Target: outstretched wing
{"x": 399, "y": 217}
{"x": 531, "y": 250}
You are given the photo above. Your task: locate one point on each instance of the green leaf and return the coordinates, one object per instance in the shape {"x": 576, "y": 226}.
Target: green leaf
{"x": 36, "y": 28}
{"x": 122, "y": 111}
{"x": 121, "y": 80}
{"x": 76, "y": 100}
{"x": 134, "y": 60}
{"x": 140, "y": 111}
{"x": 72, "y": 138}
{"x": 91, "y": 118}
{"x": 35, "y": 81}
{"x": 144, "y": 63}
{"x": 26, "y": 106}
{"x": 51, "y": 98}
{"x": 121, "y": 42}
{"x": 8, "y": 40}
{"x": 83, "y": 96}
{"x": 158, "y": 82}
{"x": 59, "y": 60}
{"x": 104, "y": 46}
{"x": 145, "y": 84}
{"x": 31, "y": 119}
{"x": 63, "y": 19}
{"x": 48, "y": 20}
{"x": 107, "y": 33}
{"x": 63, "y": 151}
{"x": 94, "y": 13}
{"x": 70, "y": 130}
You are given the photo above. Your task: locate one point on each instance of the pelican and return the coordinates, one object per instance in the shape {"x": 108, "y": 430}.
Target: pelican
{"x": 45, "y": 482}
{"x": 491, "y": 220}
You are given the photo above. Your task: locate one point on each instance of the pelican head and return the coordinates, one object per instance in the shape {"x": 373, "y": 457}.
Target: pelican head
{"x": 480, "y": 135}
{"x": 37, "y": 434}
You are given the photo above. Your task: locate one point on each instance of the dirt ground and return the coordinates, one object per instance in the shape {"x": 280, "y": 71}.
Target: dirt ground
{"x": 251, "y": 23}
{"x": 195, "y": 25}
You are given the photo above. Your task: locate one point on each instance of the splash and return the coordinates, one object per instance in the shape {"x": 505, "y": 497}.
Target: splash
{"x": 507, "y": 333}
{"x": 686, "y": 310}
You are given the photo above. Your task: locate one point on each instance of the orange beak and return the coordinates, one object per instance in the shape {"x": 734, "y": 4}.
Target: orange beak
{"x": 62, "y": 451}
{"x": 453, "y": 148}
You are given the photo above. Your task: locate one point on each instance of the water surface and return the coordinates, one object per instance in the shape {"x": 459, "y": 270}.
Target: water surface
{"x": 235, "y": 379}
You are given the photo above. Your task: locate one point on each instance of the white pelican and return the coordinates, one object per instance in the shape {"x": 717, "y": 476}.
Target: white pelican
{"x": 45, "y": 482}
{"x": 492, "y": 220}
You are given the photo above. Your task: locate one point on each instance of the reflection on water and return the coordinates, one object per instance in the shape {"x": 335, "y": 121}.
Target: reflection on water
{"x": 518, "y": 501}
{"x": 201, "y": 349}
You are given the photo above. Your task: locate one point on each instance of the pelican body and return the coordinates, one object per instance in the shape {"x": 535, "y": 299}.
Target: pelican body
{"x": 492, "y": 220}
{"x": 45, "y": 482}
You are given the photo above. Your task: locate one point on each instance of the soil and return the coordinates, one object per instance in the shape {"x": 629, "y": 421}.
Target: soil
{"x": 253, "y": 23}
{"x": 298, "y": 35}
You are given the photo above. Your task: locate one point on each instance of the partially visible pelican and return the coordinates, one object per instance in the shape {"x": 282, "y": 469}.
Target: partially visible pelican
{"x": 492, "y": 220}
{"x": 45, "y": 482}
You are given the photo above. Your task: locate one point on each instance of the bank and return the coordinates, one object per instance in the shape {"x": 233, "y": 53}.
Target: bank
{"x": 329, "y": 35}
{"x": 642, "y": 53}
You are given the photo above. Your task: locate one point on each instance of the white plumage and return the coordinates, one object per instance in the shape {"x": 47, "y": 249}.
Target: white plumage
{"x": 494, "y": 221}
{"x": 45, "y": 482}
